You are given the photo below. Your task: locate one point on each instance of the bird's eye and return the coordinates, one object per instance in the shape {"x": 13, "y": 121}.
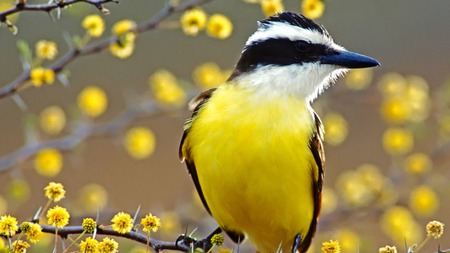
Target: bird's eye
{"x": 302, "y": 46}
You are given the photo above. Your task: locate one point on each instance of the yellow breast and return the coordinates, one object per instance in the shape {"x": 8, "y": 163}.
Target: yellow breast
{"x": 254, "y": 164}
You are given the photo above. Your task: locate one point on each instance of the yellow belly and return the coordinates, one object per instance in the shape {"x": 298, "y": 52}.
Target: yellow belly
{"x": 254, "y": 164}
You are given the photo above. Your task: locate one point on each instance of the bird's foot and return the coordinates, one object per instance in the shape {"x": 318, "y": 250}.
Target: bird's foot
{"x": 297, "y": 240}
{"x": 192, "y": 243}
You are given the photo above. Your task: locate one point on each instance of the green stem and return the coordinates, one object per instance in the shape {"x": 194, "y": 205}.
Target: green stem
{"x": 73, "y": 242}
{"x": 422, "y": 244}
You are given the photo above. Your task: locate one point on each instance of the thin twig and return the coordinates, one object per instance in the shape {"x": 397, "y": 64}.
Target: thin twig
{"x": 20, "y": 7}
{"x": 99, "y": 46}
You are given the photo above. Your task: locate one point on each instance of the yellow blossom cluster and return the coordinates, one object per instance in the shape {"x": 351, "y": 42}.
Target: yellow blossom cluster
{"x": 387, "y": 249}
{"x": 435, "y": 229}
{"x": 92, "y": 101}
{"x": 40, "y": 75}
{"x": 52, "y": 120}
{"x": 33, "y": 231}
{"x": 336, "y": 128}
{"x": 364, "y": 186}
{"x": 329, "y": 201}
{"x": 209, "y": 75}
{"x": 48, "y": 162}
{"x": 124, "y": 47}
{"x": 94, "y": 25}
{"x": 58, "y": 216}
{"x": 399, "y": 224}
{"x": 139, "y": 142}
{"x": 93, "y": 197}
{"x": 331, "y": 247}
{"x": 424, "y": 201}
{"x": 8, "y": 225}
{"x": 150, "y": 223}
{"x": 122, "y": 223}
{"x": 349, "y": 241}
{"x": 398, "y": 141}
{"x": 165, "y": 88}
{"x": 89, "y": 225}
{"x": 417, "y": 164}
{"x": 54, "y": 191}
{"x": 313, "y": 9}
{"x": 195, "y": 20}
{"x": 359, "y": 79}
{"x": 271, "y": 7}
{"x": 91, "y": 245}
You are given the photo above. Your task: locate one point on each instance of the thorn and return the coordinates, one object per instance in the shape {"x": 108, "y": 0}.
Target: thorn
{"x": 19, "y": 102}
{"x": 36, "y": 215}
{"x": 136, "y": 214}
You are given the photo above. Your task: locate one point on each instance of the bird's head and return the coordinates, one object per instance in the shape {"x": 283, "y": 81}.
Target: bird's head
{"x": 291, "y": 54}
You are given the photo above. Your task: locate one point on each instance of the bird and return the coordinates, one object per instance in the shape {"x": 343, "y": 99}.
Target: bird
{"x": 254, "y": 146}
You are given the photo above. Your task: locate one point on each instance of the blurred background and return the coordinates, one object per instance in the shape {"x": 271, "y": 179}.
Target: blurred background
{"x": 387, "y": 153}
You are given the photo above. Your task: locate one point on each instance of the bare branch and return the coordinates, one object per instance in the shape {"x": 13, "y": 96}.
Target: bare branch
{"x": 97, "y": 47}
{"x": 22, "y": 6}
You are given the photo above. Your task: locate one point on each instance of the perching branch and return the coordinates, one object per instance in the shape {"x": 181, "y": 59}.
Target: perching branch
{"x": 97, "y": 47}
{"x": 23, "y": 6}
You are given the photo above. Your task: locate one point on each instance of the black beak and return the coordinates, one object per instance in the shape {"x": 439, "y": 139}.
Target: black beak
{"x": 349, "y": 60}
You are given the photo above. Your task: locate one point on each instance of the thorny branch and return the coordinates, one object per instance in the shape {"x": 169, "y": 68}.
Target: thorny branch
{"x": 97, "y": 47}
{"x": 23, "y": 6}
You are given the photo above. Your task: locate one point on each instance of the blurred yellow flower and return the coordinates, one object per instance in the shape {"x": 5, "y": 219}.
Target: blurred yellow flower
{"x": 46, "y": 49}
{"x": 193, "y": 21}
{"x": 94, "y": 25}
{"x": 139, "y": 142}
{"x": 92, "y": 197}
{"x": 19, "y": 246}
{"x": 58, "y": 217}
{"x": 271, "y": 7}
{"x": 331, "y": 247}
{"x": 48, "y": 162}
{"x": 165, "y": 88}
{"x": 122, "y": 223}
{"x": 171, "y": 222}
{"x": 398, "y": 141}
{"x": 40, "y": 75}
{"x": 209, "y": 75}
{"x": 108, "y": 245}
{"x": 358, "y": 79}
{"x": 329, "y": 201}
{"x": 92, "y": 101}
{"x": 435, "y": 229}
{"x": 313, "y": 9}
{"x": 8, "y": 225}
{"x": 219, "y": 26}
{"x": 417, "y": 93}
{"x": 392, "y": 84}
{"x": 122, "y": 50}
{"x": 3, "y": 205}
{"x": 55, "y": 191}
{"x": 18, "y": 190}
{"x": 122, "y": 27}
{"x": 217, "y": 239}
{"x": 89, "y": 245}
{"x": 395, "y": 110}
{"x": 423, "y": 201}
{"x": 348, "y": 240}
{"x": 336, "y": 128}
{"x": 387, "y": 249}
{"x": 150, "y": 223}
{"x": 417, "y": 163}
{"x": 398, "y": 223}
{"x": 52, "y": 119}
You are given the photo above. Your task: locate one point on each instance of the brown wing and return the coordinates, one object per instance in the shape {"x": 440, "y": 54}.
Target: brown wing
{"x": 194, "y": 105}
{"x": 316, "y": 146}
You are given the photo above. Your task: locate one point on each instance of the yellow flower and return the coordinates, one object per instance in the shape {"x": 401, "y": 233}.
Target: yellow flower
{"x": 40, "y": 75}
{"x": 358, "y": 79}
{"x": 92, "y": 101}
{"x": 55, "y": 191}
{"x": 417, "y": 163}
{"x": 19, "y": 246}
{"x": 32, "y": 230}
{"x": 171, "y": 223}
{"x": 58, "y": 217}
{"x": 108, "y": 245}
{"x": 349, "y": 241}
{"x": 19, "y": 190}
{"x": 423, "y": 201}
{"x": 8, "y": 225}
{"x": 217, "y": 239}
{"x": 122, "y": 223}
{"x": 219, "y": 26}
{"x": 398, "y": 223}
{"x": 122, "y": 27}
{"x": 52, "y": 119}
{"x": 46, "y": 49}
{"x": 48, "y": 162}
{"x": 94, "y": 25}
{"x": 89, "y": 225}
{"x": 329, "y": 201}
{"x": 93, "y": 197}
{"x": 209, "y": 75}
{"x": 193, "y": 21}
{"x": 165, "y": 88}
{"x": 387, "y": 249}
{"x": 336, "y": 128}
{"x": 89, "y": 245}
{"x": 139, "y": 142}
{"x": 331, "y": 247}
{"x": 417, "y": 94}
{"x": 398, "y": 141}
{"x": 392, "y": 84}
{"x": 395, "y": 110}
{"x": 435, "y": 229}
{"x": 123, "y": 50}
{"x": 271, "y": 7}
{"x": 150, "y": 223}
{"x": 313, "y": 9}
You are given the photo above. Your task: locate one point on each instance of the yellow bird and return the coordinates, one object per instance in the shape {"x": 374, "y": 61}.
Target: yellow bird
{"x": 253, "y": 146}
